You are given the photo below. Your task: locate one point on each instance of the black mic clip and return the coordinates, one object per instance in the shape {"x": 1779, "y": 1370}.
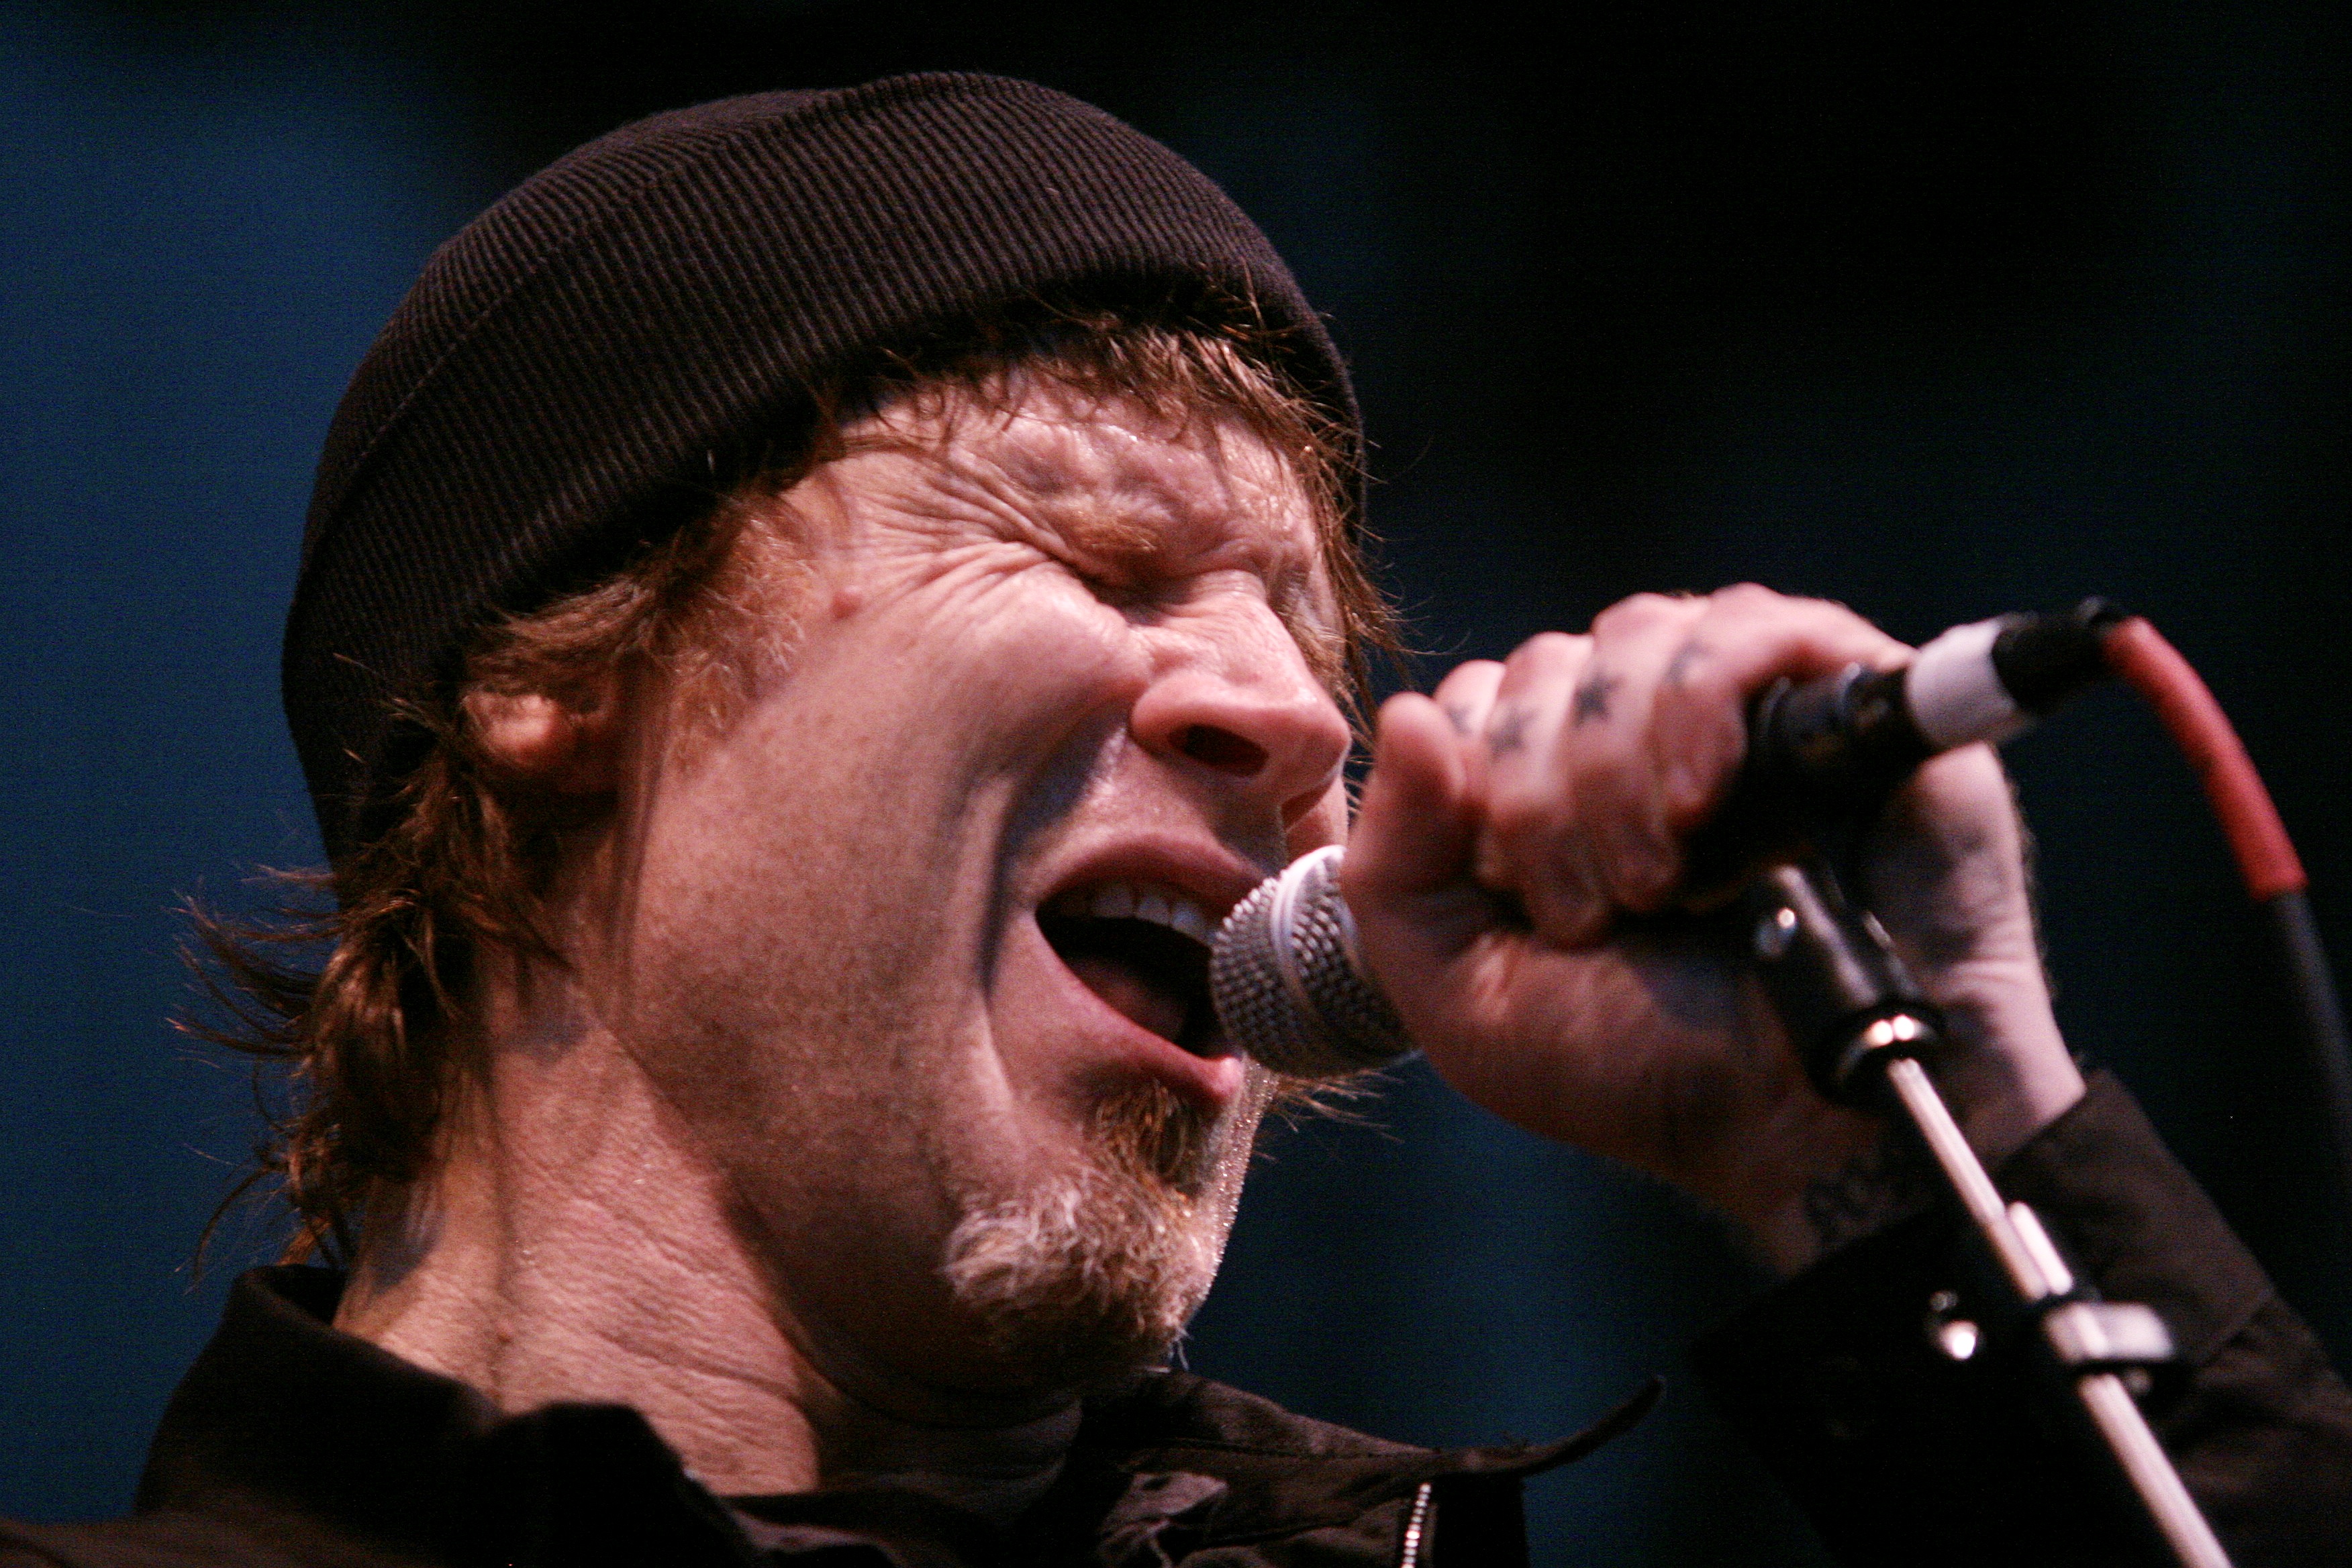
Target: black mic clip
{"x": 1866, "y": 1036}
{"x": 1844, "y": 997}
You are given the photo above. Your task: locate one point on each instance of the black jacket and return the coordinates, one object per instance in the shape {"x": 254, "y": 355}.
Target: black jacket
{"x": 290, "y": 1443}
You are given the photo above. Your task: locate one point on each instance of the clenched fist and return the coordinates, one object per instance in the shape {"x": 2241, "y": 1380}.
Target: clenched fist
{"x": 1517, "y": 874}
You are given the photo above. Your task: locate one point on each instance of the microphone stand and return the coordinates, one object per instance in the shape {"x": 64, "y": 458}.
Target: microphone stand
{"x": 1861, "y": 1027}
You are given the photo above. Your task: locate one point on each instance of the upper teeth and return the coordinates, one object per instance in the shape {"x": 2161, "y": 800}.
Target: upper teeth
{"x": 1138, "y": 901}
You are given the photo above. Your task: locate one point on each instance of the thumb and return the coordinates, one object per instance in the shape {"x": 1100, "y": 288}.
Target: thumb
{"x": 1406, "y": 877}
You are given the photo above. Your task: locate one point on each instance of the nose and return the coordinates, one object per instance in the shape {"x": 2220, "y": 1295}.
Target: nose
{"x": 1254, "y": 716}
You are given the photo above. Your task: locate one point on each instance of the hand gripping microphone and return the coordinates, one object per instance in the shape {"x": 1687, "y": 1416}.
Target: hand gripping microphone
{"x": 1284, "y": 973}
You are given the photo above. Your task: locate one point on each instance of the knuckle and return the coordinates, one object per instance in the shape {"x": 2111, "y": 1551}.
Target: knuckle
{"x": 1693, "y": 671}
{"x": 1546, "y": 650}
{"x": 1471, "y": 682}
{"x": 1830, "y": 614}
{"x": 1638, "y": 611}
{"x": 1760, "y": 617}
{"x": 1748, "y": 596}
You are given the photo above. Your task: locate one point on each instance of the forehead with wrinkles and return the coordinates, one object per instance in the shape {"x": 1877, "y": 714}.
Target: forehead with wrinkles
{"x": 1113, "y": 474}
{"x": 1135, "y": 492}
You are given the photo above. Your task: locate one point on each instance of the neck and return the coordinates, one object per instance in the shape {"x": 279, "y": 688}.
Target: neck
{"x": 571, "y": 1247}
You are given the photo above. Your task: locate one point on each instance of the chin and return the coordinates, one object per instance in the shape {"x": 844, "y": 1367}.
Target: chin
{"x": 1091, "y": 1273}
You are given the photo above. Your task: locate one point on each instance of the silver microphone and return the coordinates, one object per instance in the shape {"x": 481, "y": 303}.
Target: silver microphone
{"x": 1287, "y": 985}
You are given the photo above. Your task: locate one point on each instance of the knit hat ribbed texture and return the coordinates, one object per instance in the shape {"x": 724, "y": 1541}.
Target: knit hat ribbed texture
{"x": 554, "y": 388}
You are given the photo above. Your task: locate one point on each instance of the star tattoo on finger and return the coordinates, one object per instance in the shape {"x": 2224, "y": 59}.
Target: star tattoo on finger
{"x": 1686, "y": 657}
{"x": 1592, "y": 693}
{"x": 1509, "y": 732}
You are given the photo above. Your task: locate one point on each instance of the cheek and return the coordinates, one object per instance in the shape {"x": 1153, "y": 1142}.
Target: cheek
{"x": 1003, "y": 671}
{"x": 823, "y": 872}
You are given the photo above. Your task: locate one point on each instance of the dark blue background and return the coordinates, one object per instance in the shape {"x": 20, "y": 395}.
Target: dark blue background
{"x": 1936, "y": 316}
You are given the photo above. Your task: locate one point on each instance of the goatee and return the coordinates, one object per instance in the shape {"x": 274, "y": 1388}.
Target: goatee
{"x": 1094, "y": 1271}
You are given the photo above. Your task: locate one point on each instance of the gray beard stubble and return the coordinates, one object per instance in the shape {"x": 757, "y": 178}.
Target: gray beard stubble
{"x": 1093, "y": 1272}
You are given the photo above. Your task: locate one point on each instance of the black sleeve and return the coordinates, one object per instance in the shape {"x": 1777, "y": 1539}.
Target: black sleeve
{"x": 1902, "y": 1456}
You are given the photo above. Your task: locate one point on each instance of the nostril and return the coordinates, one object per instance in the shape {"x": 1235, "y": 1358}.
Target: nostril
{"x": 1222, "y": 750}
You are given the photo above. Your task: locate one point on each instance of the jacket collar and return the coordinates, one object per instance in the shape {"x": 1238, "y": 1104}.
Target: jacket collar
{"x": 282, "y": 1418}
{"x": 1285, "y": 1472}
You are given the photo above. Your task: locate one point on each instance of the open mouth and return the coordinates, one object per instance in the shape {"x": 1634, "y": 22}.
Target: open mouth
{"x": 1144, "y": 949}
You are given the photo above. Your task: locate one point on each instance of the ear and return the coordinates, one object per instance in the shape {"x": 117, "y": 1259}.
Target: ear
{"x": 566, "y": 746}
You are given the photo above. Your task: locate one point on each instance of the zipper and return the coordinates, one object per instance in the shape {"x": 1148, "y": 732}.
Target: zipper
{"x": 1417, "y": 1526}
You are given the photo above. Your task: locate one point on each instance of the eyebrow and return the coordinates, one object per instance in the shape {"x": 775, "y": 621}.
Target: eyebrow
{"x": 1094, "y": 529}
{"x": 1108, "y": 533}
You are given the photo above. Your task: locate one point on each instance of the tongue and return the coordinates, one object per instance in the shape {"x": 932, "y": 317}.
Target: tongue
{"x": 1130, "y": 993}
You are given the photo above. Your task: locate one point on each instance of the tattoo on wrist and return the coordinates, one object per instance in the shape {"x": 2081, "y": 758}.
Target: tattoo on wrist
{"x": 1886, "y": 1183}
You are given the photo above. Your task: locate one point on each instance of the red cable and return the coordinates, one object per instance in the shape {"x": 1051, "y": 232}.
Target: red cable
{"x": 2138, "y": 653}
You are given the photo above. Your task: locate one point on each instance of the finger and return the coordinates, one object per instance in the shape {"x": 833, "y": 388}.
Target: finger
{"x": 1466, "y": 696}
{"x": 1746, "y": 638}
{"x": 1613, "y": 772}
{"x": 1532, "y": 846}
{"x": 1406, "y": 876}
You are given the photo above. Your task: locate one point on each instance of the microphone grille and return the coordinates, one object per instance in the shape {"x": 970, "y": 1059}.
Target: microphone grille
{"x": 1282, "y": 975}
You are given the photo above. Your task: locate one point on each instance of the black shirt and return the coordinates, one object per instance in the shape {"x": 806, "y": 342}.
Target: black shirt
{"x": 291, "y": 1443}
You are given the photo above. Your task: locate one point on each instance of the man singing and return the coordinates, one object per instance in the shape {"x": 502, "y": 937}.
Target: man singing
{"x": 813, "y": 609}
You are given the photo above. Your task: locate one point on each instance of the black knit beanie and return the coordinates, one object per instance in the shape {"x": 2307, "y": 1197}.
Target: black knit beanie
{"x": 554, "y": 391}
